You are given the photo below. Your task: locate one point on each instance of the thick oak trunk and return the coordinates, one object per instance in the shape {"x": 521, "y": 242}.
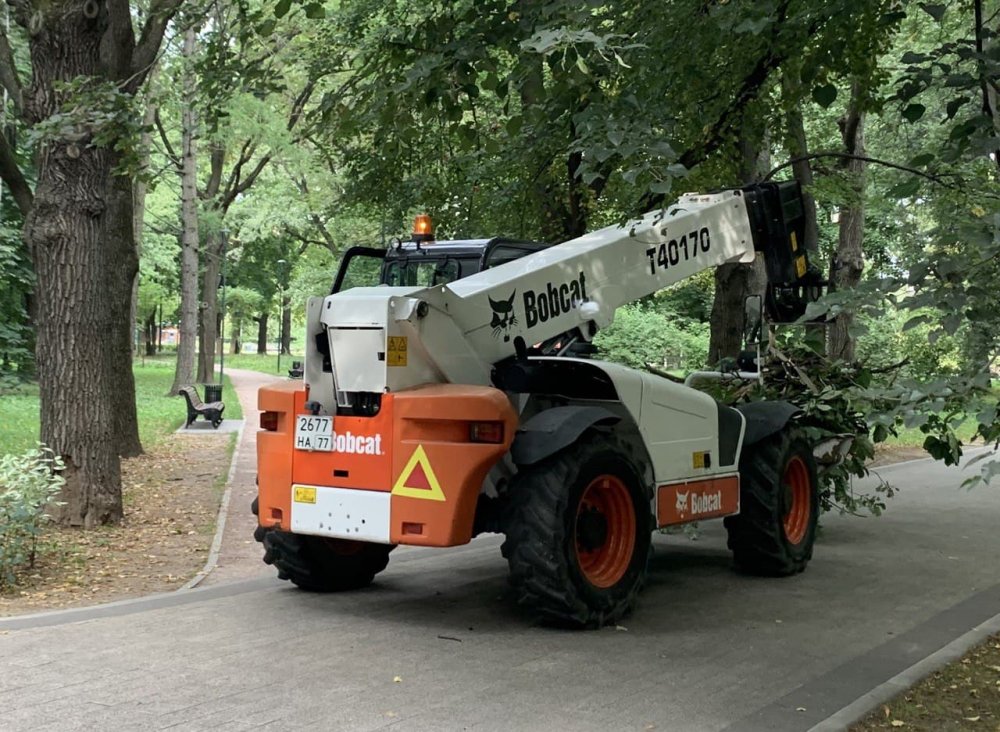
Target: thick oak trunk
{"x": 67, "y": 231}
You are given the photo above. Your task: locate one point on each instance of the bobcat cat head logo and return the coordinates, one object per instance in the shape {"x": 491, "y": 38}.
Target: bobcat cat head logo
{"x": 682, "y": 502}
{"x": 503, "y": 317}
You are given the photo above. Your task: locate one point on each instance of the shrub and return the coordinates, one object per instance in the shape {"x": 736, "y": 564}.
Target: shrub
{"x": 28, "y": 483}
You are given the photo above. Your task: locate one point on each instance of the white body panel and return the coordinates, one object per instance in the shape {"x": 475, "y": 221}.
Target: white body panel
{"x": 343, "y": 513}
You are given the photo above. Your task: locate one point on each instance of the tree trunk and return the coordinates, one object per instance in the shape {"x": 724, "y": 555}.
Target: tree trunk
{"x": 235, "y": 337}
{"x": 122, "y": 268}
{"x": 848, "y": 261}
{"x": 734, "y": 282}
{"x": 67, "y": 232}
{"x": 262, "y": 334}
{"x": 188, "y": 331}
{"x": 150, "y": 333}
{"x": 286, "y": 325}
{"x": 798, "y": 147}
{"x": 208, "y": 335}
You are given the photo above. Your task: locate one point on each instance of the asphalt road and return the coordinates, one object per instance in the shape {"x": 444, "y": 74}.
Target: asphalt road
{"x": 437, "y": 643}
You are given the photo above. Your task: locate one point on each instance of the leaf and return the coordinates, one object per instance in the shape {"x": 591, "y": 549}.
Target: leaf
{"x": 936, "y": 11}
{"x": 282, "y": 8}
{"x": 315, "y": 11}
{"x": 954, "y": 105}
{"x": 824, "y": 95}
{"x": 913, "y": 58}
{"x": 913, "y": 112}
{"x": 922, "y": 160}
{"x": 898, "y": 723}
{"x": 906, "y": 189}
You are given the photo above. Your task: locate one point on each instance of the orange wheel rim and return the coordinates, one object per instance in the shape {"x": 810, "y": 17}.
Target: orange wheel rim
{"x": 797, "y": 485}
{"x": 605, "y": 531}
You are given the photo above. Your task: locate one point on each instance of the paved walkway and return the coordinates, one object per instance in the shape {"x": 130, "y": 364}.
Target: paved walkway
{"x": 239, "y": 555}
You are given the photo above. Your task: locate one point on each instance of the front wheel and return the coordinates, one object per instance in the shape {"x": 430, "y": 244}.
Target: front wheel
{"x": 775, "y": 530}
{"x": 578, "y": 533}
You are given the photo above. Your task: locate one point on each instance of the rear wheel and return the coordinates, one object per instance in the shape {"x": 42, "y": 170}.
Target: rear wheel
{"x": 775, "y": 530}
{"x": 320, "y": 564}
{"x": 578, "y": 534}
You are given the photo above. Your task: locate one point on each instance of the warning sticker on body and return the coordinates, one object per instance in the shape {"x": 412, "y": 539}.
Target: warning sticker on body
{"x": 417, "y": 479}
{"x": 396, "y": 354}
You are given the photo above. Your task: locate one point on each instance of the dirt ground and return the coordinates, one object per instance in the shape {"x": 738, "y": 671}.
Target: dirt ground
{"x": 172, "y": 497}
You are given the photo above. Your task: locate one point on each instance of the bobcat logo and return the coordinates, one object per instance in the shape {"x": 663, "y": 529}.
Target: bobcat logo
{"x": 503, "y": 317}
{"x": 682, "y": 502}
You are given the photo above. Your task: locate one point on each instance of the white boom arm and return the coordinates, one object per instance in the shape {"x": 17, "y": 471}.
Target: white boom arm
{"x": 391, "y": 338}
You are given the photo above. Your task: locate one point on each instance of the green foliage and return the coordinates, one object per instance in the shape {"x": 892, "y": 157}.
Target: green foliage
{"x": 28, "y": 483}
{"x": 641, "y": 336}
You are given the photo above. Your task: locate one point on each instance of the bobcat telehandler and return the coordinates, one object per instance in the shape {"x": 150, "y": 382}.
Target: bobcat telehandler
{"x": 458, "y": 396}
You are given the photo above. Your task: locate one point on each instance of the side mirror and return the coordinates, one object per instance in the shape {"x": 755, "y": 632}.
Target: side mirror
{"x": 753, "y": 318}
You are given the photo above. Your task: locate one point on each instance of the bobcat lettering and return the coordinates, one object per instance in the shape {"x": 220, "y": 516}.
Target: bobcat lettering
{"x": 556, "y": 300}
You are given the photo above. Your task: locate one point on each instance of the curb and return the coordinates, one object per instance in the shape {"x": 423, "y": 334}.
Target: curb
{"x": 907, "y": 678}
{"x": 220, "y": 521}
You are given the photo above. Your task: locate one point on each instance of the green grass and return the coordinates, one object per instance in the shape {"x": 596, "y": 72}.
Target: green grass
{"x": 158, "y": 414}
{"x": 267, "y": 364}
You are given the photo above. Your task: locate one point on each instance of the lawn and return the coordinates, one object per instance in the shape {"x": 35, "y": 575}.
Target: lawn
{"x": 267, "y": 364}
{"x": 159, "y": 415}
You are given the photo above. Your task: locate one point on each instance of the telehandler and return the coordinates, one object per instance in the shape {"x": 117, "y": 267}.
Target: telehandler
{"x": 457, "y": 394}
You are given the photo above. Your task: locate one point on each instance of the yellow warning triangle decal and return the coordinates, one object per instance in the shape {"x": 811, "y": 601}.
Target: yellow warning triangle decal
{"x": 418, "y": 480}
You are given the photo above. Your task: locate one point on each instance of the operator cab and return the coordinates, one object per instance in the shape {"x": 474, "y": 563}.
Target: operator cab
{"x": 424, "y": 262}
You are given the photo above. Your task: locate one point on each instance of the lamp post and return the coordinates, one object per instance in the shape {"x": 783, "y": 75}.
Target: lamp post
{"x": 222, "y": 322}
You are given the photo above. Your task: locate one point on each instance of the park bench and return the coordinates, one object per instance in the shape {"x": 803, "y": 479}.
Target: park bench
{"x": 295, "y": 372}
{"x": 212, "y": 412}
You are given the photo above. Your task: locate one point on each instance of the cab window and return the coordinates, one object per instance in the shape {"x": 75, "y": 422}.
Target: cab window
{"x": 421, "y": 273}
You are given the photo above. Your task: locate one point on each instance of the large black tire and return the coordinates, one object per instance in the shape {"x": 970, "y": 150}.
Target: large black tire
{"x": 774, "y": 533}
{"x": 318, "y": 564}
{"x": 568, "y": 563}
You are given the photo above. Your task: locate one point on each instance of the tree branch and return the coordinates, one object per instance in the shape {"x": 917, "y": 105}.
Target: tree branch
{"x": 168, "y": 148}
{"x": 160, "y": 14}
{"x": 937, "y": 179}
{"x": 8, "y": 73}
{"x": 11, "y": 174}
{"x": 235, "y": 174}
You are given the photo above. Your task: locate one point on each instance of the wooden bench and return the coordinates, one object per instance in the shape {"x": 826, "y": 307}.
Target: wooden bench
{"x": 212, "y": 412}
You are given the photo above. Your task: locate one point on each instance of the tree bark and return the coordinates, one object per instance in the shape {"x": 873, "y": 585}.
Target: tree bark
{"x": 188, "y": 331}
{"x": 122, "y": 270}
{"x": 734, "y": 282}
{"x": 208, "y": 333}
{"x": 848, "y": 261}
{"x": 67, "y": 231}
{"x": 262, "y": 334}
{"x": 798, "y": 147}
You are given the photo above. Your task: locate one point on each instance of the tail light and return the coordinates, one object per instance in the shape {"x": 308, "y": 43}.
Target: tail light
{"x": 491, "y": 432}
{"x": 269, "y": 421}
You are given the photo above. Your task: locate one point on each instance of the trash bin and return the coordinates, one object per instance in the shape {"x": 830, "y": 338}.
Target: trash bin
{"x": 213, "y": 393}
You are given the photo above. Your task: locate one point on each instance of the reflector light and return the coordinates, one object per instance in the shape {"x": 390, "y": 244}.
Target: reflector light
{"x": 269, "y": 421}
{"x": 491, "y": 432}
{"x": 423, "y": 228}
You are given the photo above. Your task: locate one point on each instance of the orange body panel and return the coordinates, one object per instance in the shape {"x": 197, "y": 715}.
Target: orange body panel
{"x": 681, "y": 503}
{"x": 434, "y": 502}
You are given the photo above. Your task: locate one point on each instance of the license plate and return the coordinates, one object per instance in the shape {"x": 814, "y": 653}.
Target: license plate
{"x": 314, "y": 433}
